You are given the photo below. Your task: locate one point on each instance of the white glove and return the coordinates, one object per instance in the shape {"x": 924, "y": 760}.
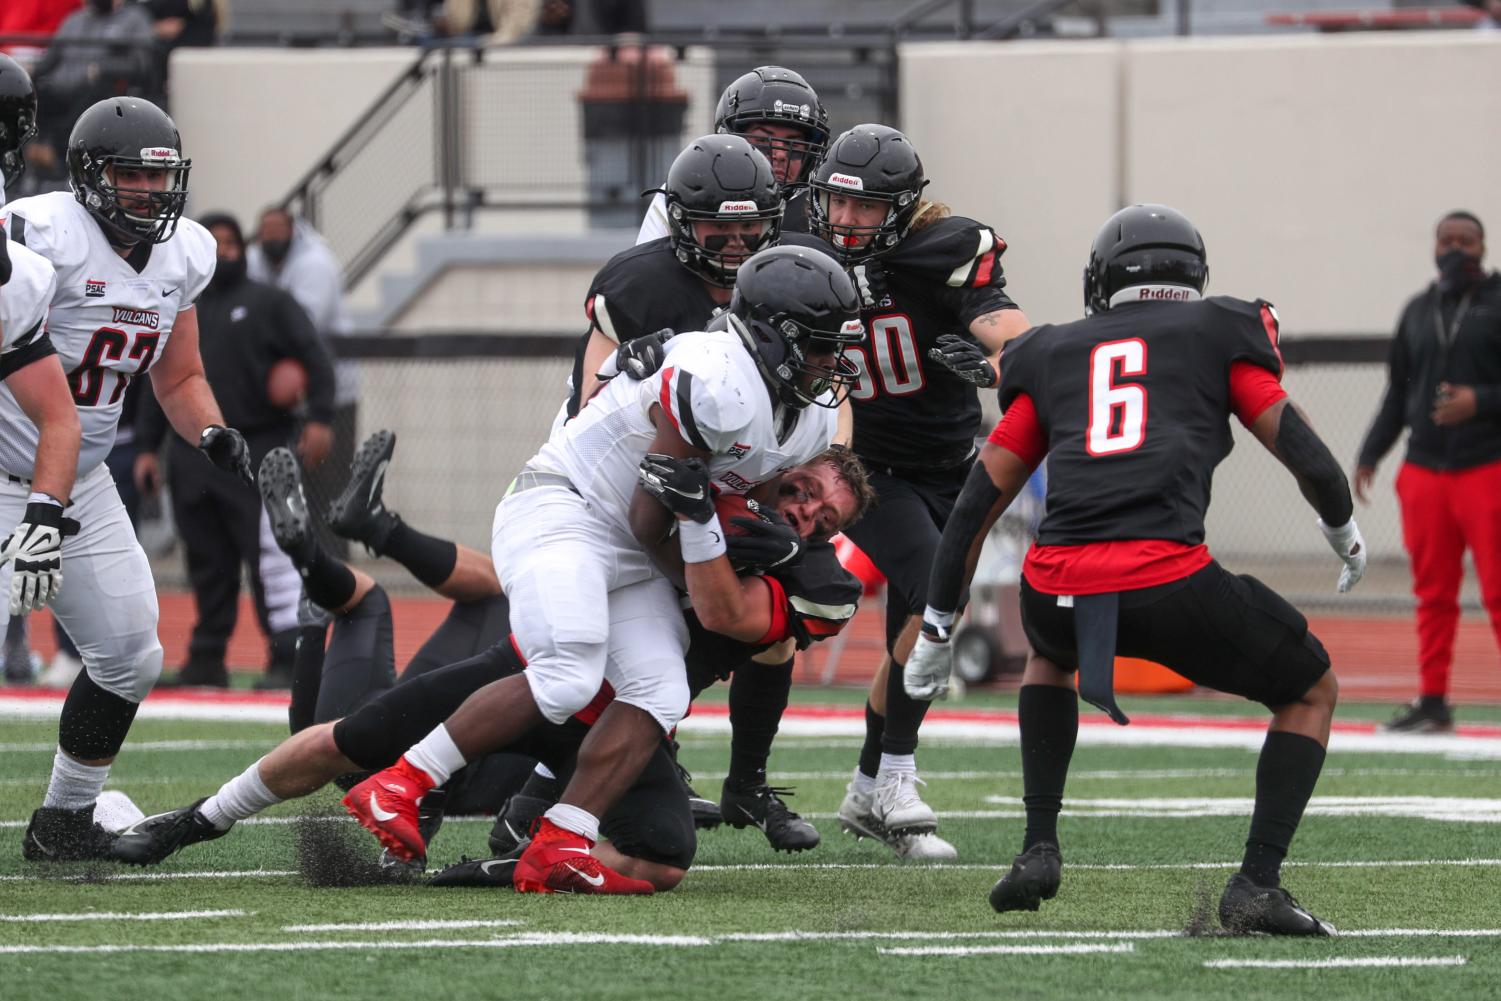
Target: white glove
{"x": 926, "y": 676}
{"x": 1348, "y": 545}
{"x": 36, "y": 545}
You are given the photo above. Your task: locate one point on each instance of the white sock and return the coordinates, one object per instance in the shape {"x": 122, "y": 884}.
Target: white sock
{"x": 243, "y": 796}
{"x": 864, "y": 783}
{"x": 437, "y": 755}
{"x": 74, "y": 785}
{"x": 571, "y": 818}
{"x": 543, "y": 771}
{"x": 902, "y": 764}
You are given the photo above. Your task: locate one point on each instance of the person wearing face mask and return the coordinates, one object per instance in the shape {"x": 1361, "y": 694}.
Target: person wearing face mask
{"x": 289, "y": 254}
{"x": 247, "y": 327}
{"x": 1445, "y": 389}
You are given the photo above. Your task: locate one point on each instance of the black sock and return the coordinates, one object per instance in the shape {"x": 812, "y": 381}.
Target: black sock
{"x": 1432, "y": 703}
{"x": 328, "y": 581}
{"x": 870, "y": 752}
{"x": 1049, "y": 720}
{"x": 1286, "y": 773}
{"x": 541, "y": 787}
{"x": 904, "y": 715}
{"x": 307, "y": 676}
{"x": 430, "y": 560}
{"x": 758, "y": 696}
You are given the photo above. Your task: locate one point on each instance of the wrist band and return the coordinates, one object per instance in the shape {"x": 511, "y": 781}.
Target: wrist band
{"x": 937, "y": 624}
{"x": 701, "y": 543}
{"x": 41, "y": 498}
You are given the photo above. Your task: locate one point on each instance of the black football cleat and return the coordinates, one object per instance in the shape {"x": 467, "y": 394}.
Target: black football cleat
{"x": 706, "y": 812}
{"x": 1034, "y": 877}
{"x": 280, "y": 480}
{"x": 1421, "y": 717}
{"x": 359, "y": 513}
{"x": 489, "y": 873}
{"x": 1249, "y": 909}
{"x": 149, "y": 841}
{"x": 761, "y": 806}
{"x": 58, "y": 835}
{"x": 513, "y": 824}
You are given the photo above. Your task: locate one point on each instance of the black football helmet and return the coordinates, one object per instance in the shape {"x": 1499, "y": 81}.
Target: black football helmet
{"x": 868, "y": 161}
{"x": 721, "y": 179}
{"x": 790, "y": 302}
{"x": 778, "y": 96}
{"x": 133, "y": 133}
{"x": 17, "y": 118}
{"x": 1144, "y": 245}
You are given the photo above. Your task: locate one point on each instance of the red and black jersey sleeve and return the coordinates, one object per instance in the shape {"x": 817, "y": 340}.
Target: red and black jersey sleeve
{"x": 1251, "y": 332}
{"x": 1021, "y": 368}
{"x": 818, "y": 596}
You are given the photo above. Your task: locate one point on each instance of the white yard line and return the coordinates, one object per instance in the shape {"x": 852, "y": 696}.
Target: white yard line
{"x": 1454, "y": 809}
{"x": 519, "y": 941}
{"x": 1008, "y": 950}
{"x": 402, "y": 926}
{"x": 229, "y": 874}
{"x": 1340, "y": 962}
{"x": 161, "y": 745}
{"x": 118, "y": 916}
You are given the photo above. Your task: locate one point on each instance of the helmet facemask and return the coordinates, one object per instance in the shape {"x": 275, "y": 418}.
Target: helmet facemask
{"x": 857, "y": 244}
{"x": 797, "y": 381}
{"x": 13, "y": 138}
{"x": 717, "y": 258}
{"x": 132, "y": 215}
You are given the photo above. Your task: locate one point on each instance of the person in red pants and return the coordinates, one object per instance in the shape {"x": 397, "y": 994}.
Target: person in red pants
{"x": 1445, "y": 389}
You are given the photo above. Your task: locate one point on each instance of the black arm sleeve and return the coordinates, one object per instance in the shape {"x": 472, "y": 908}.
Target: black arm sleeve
{"x": 1318, "y": 473}
{"x": 5, "y": 265}
{"x": 35, "y": 346}
{"x": 946, "y": 585}
{"x": 1387, "y": 425}
{"x": 301, "y": 341}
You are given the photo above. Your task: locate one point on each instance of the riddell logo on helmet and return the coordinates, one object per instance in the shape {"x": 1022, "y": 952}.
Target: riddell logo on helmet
{"x": 846, "y": 181}
{"x": 738, "y": 207}
{"x": 852, "y": 327}
{"x": 1167, "y": 293}
{"x": 786, "y": 108}
{"x": 162, "y": 153}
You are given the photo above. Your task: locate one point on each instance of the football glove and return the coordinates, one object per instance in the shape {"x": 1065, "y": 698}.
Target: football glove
{"x": 682, "y": 485}
{"x": 965, "y": 359}
{"x": 1349, "y": 546}
{"x": 929, "y": 666}
{"x": 226, "y": 448}
{"x": 638, "y": 358}
{"x": 768, "y": 543}
{"x": 36, "y": 546}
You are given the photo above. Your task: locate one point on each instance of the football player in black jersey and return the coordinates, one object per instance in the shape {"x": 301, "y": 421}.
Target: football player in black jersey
{"x": 651, "y": 835}
{"x": 937, "y": 312}
{"x": 1131, "y": 405}
{"x": 781, "y": 115}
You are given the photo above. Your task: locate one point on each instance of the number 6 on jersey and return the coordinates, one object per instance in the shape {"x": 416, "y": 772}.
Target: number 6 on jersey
{"x": 1117, "y": 413}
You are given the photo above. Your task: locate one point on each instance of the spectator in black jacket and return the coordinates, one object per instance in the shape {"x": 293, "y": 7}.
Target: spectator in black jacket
{"x": 246, "y": 328}
{"x": 1445, "y": 389}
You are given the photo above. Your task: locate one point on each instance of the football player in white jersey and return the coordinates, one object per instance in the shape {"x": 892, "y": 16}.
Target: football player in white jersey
{"x": 589, "y": 563}
{"x": 128, "y": 270}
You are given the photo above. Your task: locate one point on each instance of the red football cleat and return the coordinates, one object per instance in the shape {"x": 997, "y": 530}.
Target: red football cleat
{"x": 385, "y": 804}
{"x": 558, "y": 861}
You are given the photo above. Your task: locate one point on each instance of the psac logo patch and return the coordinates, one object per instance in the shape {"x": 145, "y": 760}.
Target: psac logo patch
{"x": 739, "y": 450}
{"x": 93, "y": 288}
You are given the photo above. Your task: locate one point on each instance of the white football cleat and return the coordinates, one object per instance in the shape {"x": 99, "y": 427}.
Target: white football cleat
{"x": 923, "y": 846}
{"x": 898, "y": 807}
{"x": 856, "y": 816}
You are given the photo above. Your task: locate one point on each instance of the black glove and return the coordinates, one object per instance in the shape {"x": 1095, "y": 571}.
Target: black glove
{"x": 638, "y": 358}
{"x": 226, "y": 448}
{"x": 36, "y": 545}
{"x": 965, "y": 359}
{"x": 768, "y": 543}
{"x": 682, "y": 485}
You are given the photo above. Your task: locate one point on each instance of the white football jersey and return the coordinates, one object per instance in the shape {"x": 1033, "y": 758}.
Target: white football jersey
{"x": 711, "y": 389}
{"x": 108, "y": 322}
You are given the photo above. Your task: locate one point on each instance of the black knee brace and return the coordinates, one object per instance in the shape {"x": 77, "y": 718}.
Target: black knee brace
{"x": 94, "y": 722}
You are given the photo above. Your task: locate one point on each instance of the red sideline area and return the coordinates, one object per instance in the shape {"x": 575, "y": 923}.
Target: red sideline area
{"x": 1374, "y": 655}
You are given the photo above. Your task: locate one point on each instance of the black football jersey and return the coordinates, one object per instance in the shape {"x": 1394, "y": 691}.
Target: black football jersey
{"x": 820, "y": 597}
{"x": 640, "y": 291}
{"x": 911, "y": 411}
{"x": 1136, "y": 403}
